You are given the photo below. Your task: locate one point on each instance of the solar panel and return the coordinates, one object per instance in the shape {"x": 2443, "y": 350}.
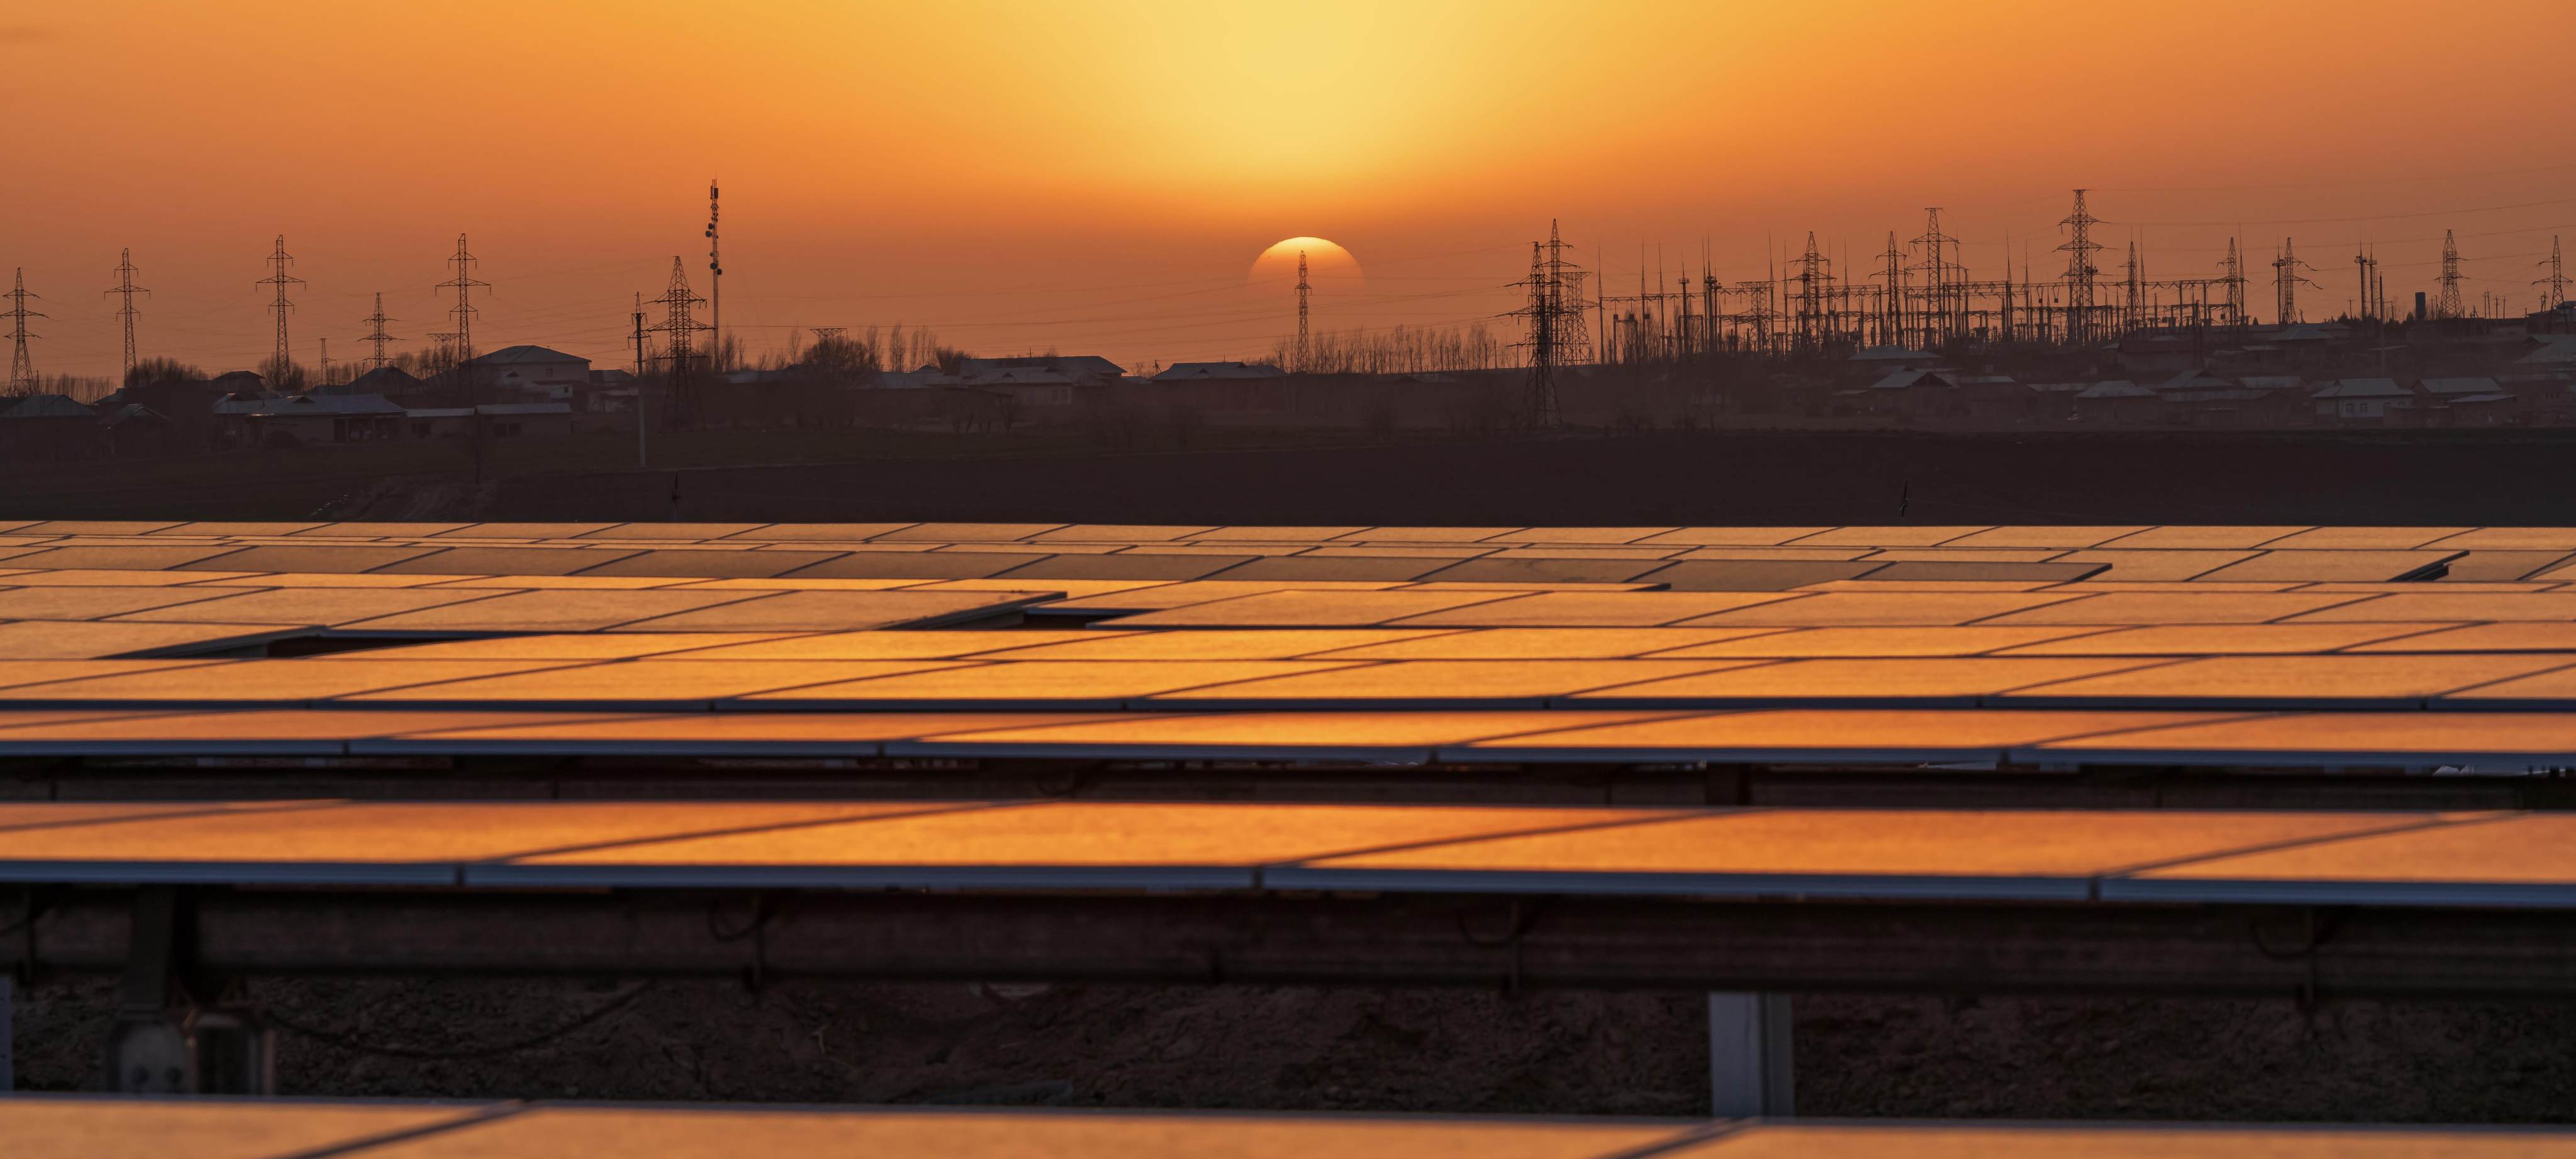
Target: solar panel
{"x": 1344, "y": 568}
{"x": 95, "y": 603}
{"x": 914, "y": 565}
{"x": 1736, "y": 575}
{"x": 873, "y": 645}
{"x": 1551, "y": 570}
{"x": 691, "y": 532}
{"x": 2067, "y": 537}
{"x": 2127, "y": 608}
{"x": 2437, "y": 605}
{"x": 244, "y": 682}
{"x": 2506, "y": 860}
{"x": 711, "y": 563}
{"x": 2275, "y": 564}
{"x": 1188, "y": 644}
{"x": 136, "y": 1128}
{"x": 1907, "y": 536}
{"x": 1066, "y": 684}
{"x": 314, "y": 558}
{"x": 2239, "y": 639}
{"x": 1950, "y": 854}
{"x": 318, "y": 606}
{"x": 721, "y": 734}
{"x": 2204, "y": 536}
{"x": 556, "y": 611}
{"x": 1876, "y": 610}
{"x": 1443, "y": 683}
{"x": 2337, "y": 681}
{"x": 507, "y": 561}
{"x": 2153, "y": 565}
{"x": 1817, "y": 735}
{"x": 828, "y": 611}
{"x": 1805, "y": 643}
{"x": 1373, "y": 736}
{"x": 2366, "y": 538}
{"x": 1955, "y": 681}
{"x": 641, "y": 684}
{"x": 1310, "y": 609}
{"x": 2487, "y": 742}
{"x": 1531, "y": 643}
{"x": 1051, "y": 845}
{"x": 1588, "y": 609}
{"x": 1126, "y": 566}
{"x": 82, "y": 640}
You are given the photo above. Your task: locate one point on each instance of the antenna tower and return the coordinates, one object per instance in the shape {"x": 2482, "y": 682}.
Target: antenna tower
{"x": 125, "y": 285}
{"x": 378, "y": 335}
{"x": 2080, "y": 271}
{"x": 2553, "y": 285}
{"x": 1302, "y": 289}
{"x": 715, "y": 273}
{"x": 2286, "y": 281}
{"x": 278, "y": 262}
{"x": 22, "y": 373}
{"x": 461, "y": 269}
{"x": 680, "y": 334}
{"x": 2449, "y": 305}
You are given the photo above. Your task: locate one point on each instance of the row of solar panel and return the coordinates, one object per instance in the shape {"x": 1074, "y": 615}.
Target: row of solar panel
{"x": 2493, "y": 859}
{"x": 496, "y": 607}
{"x": 76, "y": 1128}
{"x": 2127, "y": 535}
{"x": 2490, "y": 742}
{"x": 1703, "y": 568}
{"x": 2542, "y": 681}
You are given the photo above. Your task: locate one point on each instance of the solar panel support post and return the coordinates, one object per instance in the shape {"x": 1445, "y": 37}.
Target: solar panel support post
{"x": 1749, "y": 1056}
{"x": 163, "y": 1042}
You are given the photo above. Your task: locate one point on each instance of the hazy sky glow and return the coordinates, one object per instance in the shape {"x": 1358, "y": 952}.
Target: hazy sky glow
{"x": 1097, "y": 176}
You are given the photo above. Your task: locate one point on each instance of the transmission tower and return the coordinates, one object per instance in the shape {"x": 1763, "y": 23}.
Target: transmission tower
{"x": 1554, "y": 317}
{"x": 2449, "y": 305}
{"x": 278, "y": 261}
{"x": 125, "y": 285}
{"x": 1937, "y": 269}
{"x": 378, "y": 335}
{"x": 1302, "y": 290}
{"x": 2553, "y": 285}
{"x": 1891, "y": 323}
{"x": 2136, "y": 306}
{"x": 2081, "y": 273}
{"x": 2286, "y": 281}
{"x": 461, "y": 269}
{"x": 2232, "y": 276}
{"x": 22, "y": 372}
{"x": 679, "y": 343}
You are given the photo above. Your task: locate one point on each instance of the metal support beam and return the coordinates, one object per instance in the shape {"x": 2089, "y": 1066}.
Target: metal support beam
{"x": 164, "y": 1040}
{"x": 1750, "y": 1073}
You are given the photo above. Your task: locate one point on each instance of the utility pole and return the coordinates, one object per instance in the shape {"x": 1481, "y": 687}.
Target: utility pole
{"x": 642, "y": 460}
{"x": 279, "y": 278}
{"x": 2361, "y": 270}
{"x": 22, "y": 371}
{"x": 2449, "y": 305}
{"x": 1302, "y": 289}
{"x": 125, "y": 285}
{"x": 715, "y": 286}
{"x": 378, "y": 335}
{"x": 2080, "y": 271}
{"x": 2553, "y": 285}
{"x": 326, "y": 362}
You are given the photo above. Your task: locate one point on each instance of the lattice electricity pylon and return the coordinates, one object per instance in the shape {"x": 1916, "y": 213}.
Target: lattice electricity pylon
{"x": 22, "y": 370}
{"x": 679, "y": 343}
{"x": 2081, "y": 272}
{"x": 125, "y": 286}
{"x": 278, "y": 262}
{"x": 1554, "y": 317}
{"x": 377, "y": 336}
{"x": 461, "y": 279}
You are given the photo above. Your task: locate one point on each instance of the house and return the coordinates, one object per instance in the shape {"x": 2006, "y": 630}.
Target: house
{"x": 1218, "y": 372}
{"x": 2119, "y": 401}
{"x": 295, "y": 420}
{"x": 48, "y": 427}
{"x": 1082, "y": 369}
{"x": 390, "y": 382}
{"x": 2362, "y": 400}
{"x": 536, "y": 370}
{"x": 503, "y": 420}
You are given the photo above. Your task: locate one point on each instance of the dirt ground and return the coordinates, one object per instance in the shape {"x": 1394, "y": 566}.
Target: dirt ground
{"x": 1377, "y": 1050}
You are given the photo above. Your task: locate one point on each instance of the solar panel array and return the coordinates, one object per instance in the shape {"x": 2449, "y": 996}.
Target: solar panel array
{"x": 256, "y": 661}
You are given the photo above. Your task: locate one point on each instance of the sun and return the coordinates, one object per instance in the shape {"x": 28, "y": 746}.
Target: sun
{"x": 1327, "y": 265}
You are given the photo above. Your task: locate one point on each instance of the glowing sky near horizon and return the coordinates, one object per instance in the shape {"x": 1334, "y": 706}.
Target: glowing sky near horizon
{"x": 1097, "y": 176}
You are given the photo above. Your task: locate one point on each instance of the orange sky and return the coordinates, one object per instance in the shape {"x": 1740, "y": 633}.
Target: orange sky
{"x": 1096, "y": 175}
